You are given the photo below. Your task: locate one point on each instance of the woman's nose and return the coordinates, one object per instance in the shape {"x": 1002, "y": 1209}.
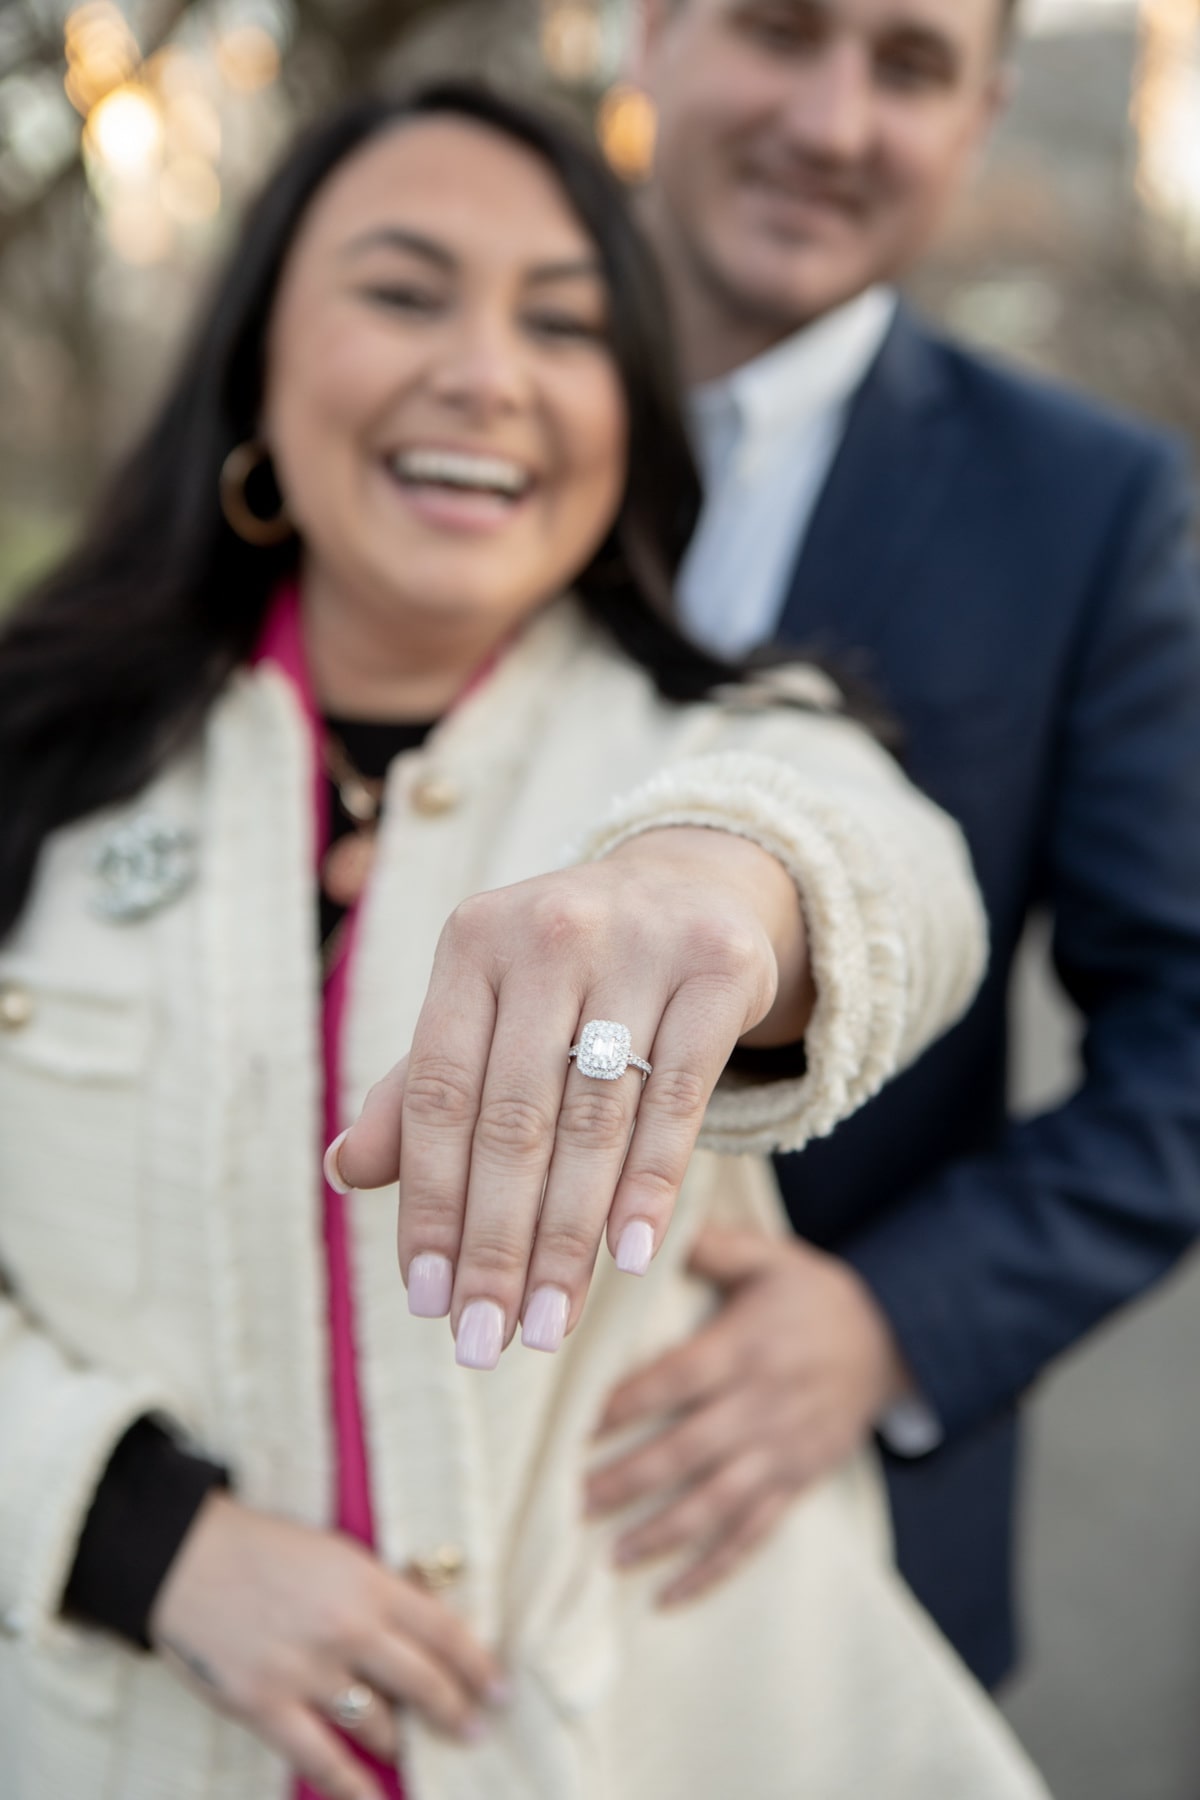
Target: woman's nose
{"x": 482, "y": 369}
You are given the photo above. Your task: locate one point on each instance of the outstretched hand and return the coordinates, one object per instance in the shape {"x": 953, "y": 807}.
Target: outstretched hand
{"x": 513, "y": 1165}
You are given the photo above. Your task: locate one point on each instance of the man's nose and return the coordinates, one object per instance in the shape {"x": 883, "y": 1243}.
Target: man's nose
{"x": 830, "y": 111}
{"x": 483, "y": 369}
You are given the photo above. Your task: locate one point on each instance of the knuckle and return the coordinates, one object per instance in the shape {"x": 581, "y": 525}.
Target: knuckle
{"x": 438, "y": 1695}
{"x": 512, "y": 1129}
{"x": 656, "y": 1186}
{"x": 678, "y": 1094}
{"x": 342, "y": 1624}
{"x": 601, "y": 1119}
{"x": 726, "y": 950}
{"x": 732, "y": 1484}
{"x": 471, "y": 922}
{"x": 496, "y": 1254}
{"x": 568, "y": 1239}
{"x": 561, "y": 919}
{"x": 455, "y": 1647}
{"x": 439, "y": 1094}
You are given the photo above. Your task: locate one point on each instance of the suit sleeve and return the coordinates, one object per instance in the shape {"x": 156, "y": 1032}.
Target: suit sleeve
{"x": 1004, "y": 1260}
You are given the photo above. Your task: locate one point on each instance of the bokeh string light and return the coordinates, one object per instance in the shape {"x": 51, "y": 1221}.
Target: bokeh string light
{"x": 152, "y": 134}
{"x": 1166, "y": 117}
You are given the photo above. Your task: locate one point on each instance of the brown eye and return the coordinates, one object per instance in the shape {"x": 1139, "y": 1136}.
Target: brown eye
{"x": 912, "y": 67}
{"x": 405, "y": 297}
{"x": 555, "y": 324}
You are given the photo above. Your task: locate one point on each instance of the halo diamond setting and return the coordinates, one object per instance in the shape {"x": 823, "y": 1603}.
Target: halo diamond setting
{"x": 605, "y": 1051}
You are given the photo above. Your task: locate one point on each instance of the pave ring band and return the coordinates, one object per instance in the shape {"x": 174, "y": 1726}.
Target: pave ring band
{"x": 349, "y": 1708}
{"x": 604, "y": 1051}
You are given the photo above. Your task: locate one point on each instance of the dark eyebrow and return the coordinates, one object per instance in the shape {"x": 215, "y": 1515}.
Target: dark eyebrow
{"x": 398, "y": 237}
{"x": 917, "y": 35}
{"x": 395, "y": 237}
{"x": 581, "y": 268}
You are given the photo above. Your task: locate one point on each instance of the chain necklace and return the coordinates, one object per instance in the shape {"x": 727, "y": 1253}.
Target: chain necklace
{"x": 347, "y": 862}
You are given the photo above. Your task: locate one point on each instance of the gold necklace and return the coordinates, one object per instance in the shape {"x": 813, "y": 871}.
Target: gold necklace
{"x": 346, "y": 864}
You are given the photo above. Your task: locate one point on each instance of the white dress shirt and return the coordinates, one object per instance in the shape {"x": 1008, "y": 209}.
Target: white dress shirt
{"x": 766, "y": 436}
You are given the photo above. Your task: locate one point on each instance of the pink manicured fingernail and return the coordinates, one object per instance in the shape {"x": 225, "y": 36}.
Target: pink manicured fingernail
{"x": 635, "y": 1247}
{"x": 333, "y": 1173}
{"x": 545, "y": 1323}
{"x": 499, "y": 1692}
{"x": 430, "y": 1281}
{"x": 480, "y": 1337}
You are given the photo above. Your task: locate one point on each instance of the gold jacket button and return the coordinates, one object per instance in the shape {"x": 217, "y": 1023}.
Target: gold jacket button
{"x": 16, "y": 1007}
{"x": 441, "y": 1568}
{"x": 434, "y": 794}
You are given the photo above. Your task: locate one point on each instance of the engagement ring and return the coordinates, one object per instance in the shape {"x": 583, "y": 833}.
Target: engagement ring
{"x": 604, "y": 1051}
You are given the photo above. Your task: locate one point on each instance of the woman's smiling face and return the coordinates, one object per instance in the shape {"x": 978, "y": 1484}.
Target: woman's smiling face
{"x": 445, "y": 415}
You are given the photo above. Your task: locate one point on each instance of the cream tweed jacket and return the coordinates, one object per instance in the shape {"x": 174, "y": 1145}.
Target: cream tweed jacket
{"x": 160, "y": 1248}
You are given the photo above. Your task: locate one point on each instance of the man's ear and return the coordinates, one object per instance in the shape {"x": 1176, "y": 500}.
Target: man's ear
{"x": 1002, "y": 91}
{"x": 997, "y": 98}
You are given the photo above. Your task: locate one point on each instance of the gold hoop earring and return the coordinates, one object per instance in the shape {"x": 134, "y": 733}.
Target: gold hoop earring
{"x": 241, "y": 463}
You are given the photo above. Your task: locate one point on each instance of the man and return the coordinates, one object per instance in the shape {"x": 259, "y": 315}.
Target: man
{"x": 1009, "y": 568}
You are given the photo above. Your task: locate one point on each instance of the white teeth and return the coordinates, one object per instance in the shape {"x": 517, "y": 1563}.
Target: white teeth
{"x": 456, "y": 468}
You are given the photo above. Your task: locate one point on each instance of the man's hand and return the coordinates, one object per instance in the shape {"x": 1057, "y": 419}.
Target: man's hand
{"x": 779, "y": 1389}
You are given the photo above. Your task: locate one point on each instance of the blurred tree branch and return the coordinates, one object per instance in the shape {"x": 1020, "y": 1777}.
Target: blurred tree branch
{"x": 354, "y": 39}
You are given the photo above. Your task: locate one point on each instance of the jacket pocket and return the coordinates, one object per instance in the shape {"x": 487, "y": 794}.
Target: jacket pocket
{"x": 72, "y": 1120}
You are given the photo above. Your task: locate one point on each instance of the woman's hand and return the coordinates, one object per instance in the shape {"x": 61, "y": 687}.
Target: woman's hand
{"x": 513, "y": 1165}
{"x": 273, "y": 1621}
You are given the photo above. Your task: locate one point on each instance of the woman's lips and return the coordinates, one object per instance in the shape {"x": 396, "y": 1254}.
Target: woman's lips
{"x": 460, "y": 510}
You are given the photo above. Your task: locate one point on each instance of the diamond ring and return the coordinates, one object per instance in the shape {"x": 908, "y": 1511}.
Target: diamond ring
{"x": 349, "y": 1708}
{"x": 604, "y": 1051}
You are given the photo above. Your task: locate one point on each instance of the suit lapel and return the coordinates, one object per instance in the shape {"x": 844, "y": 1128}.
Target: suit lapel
{"x": 888, "y": 485}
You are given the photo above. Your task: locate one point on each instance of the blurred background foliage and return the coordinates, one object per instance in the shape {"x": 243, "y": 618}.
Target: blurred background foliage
{"x": 131, "y": 131}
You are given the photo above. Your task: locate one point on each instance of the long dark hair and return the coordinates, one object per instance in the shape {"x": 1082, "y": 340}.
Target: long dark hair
{"x": 113, "y": 662}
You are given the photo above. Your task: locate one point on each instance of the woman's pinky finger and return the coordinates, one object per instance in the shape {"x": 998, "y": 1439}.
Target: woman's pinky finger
{"x": 691, "y": 1047}
{"x": 317, "y": 1755}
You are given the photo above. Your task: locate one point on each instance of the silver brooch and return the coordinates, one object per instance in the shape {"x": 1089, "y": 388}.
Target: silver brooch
{"x": 142, "y": 865}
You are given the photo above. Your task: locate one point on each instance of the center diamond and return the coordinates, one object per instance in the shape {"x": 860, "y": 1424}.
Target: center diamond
{"x": 604, "y": 1048}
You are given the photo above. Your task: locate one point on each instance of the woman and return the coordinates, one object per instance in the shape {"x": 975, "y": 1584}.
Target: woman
{"x": 321, "y": 625}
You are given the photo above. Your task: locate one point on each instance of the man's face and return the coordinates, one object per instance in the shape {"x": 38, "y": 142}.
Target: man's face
{"x": 809, "y": 148}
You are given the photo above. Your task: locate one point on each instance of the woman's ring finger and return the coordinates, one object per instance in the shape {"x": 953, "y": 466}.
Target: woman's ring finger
{"x": 351, "y": 1708}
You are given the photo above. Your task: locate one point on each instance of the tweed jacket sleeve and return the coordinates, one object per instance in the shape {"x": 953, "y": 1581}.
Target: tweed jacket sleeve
{"x": 896, "y": 931}
{"x": 61, "y": 1422}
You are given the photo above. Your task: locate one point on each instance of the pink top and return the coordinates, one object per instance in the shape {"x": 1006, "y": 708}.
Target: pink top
{"x": 282, "y": 643}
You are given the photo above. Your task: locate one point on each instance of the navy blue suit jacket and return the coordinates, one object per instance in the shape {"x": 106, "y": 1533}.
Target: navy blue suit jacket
{"x": 1010, "y": 567}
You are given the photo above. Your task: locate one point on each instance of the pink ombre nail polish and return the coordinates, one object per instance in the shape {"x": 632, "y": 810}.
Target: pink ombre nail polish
{"x": 635, "y": 1247}
{"x": 545, "y": 1322}
{"x": 430, "y": 1283}
{"x": 480, "y": 1336}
